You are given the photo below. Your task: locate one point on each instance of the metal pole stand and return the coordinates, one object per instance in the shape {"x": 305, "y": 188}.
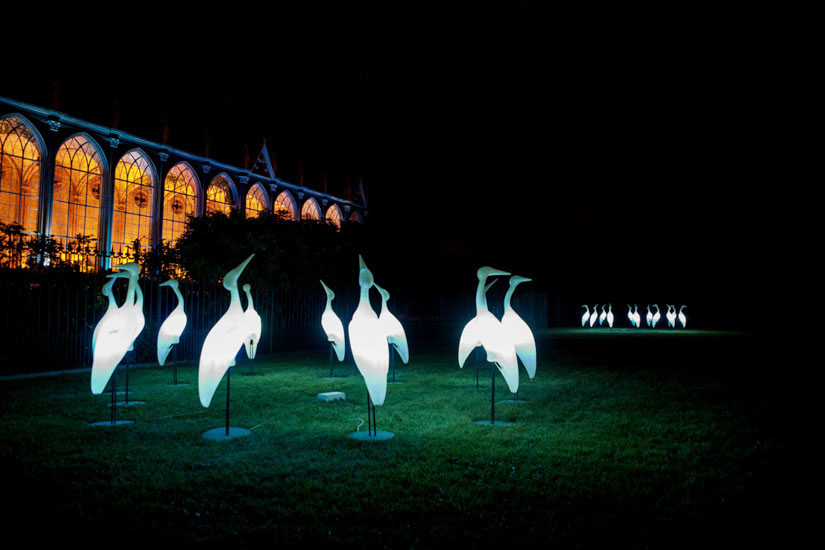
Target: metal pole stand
{"x": 493, "y": 393}
{"x": 114, "y": 391}
{"x": 330, "y": 360}
{"x": 113, "y": 421}
{"x": 372, "y": 433}
{"x": 226, "y": 433}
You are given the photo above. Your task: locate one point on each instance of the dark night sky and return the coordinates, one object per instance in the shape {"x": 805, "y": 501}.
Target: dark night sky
{"x": 588, "y": 154}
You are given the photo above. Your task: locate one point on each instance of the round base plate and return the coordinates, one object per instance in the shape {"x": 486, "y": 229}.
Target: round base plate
{"x": 125, "y": 404}
{"x": 109, "y": 423}
{"x": 219, "y": 434}
{"x": 497, "y": 423}
{"x": 380, "y": 435}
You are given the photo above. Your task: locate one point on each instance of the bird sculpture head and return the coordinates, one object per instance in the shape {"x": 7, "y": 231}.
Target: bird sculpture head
{"x": 171, "y": 283}
{"x": 385, "y": 296}
{"x": 247, "y": 287}
{"x": 230, "y": 281}
{"x": 330, "y": 293}
{"x": 132, "y": 268}
{"x": 486, "y": 271}
{"x": 365, "y": 278}
{"x": 516, "y": 280}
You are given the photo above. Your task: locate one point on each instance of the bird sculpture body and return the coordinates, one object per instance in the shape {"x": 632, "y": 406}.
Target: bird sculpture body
{"x": 224, "y": 339}
{"x": 368, "y": 340}
{"x": 332, "y": 325}
{"x": 649, "y": 317}
{"x": 117, "y": 334}
{"x": 603, "y": 315}
{"x": 630, "y": 316}
{"x": 519, "y": 332}
{"x": 656, "y": 316}
{"x": 593, "y": 316}
{"x": 172, "y": 327}
{"x": 253, "y": 324}
{"x": 671, "y": 316}
{"x": 395, "y": 332}
{"x": 585, "y": 315}
{"x": 682, "y": 318}
{"x": 636, "y": 316}
{"x": 610, "y": 315}
{"x": 485, "y": 330}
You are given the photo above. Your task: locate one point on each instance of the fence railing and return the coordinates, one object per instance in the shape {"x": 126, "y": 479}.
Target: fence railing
{"x": 48, "y": 316}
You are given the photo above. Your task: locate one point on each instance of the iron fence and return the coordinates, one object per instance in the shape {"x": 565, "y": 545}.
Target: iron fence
{"x": 48, "y": 315}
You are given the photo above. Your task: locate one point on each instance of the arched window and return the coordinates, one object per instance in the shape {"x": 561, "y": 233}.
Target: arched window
{"x": 78, "y": 182}
{"x": 180, "y": 199}
{"x": 219, "y": 195}
{"x": 133, "y": 204}
{"x": 355, "y": 217}
{"x": 19, "y": 173}
{"x": 285, "y": 206}
{"x": 256, "y": 201}
{"x": 334, "y": 215}
{"x": 311, "y": 210}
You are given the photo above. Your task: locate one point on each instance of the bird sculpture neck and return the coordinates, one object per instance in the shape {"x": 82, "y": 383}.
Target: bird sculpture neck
{"x": 481, "y": 304}
{"x": 249, "y": 298}
{"x": 179, "y": 295}
{"x": 508, "y": 296}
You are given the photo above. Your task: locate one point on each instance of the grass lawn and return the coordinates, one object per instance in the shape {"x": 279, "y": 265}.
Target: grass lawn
{"x": 642, "y": 439}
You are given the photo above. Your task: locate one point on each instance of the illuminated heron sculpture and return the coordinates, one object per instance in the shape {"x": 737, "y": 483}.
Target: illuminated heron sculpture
{"x": 603, "y": 315}
{"x": 107, "y": 291}
{"x": 519, "y": 332}
{"x": 486, "y": 331}
{"x": 649, "y": 317}
{"x": 636, "y": 316}
{"x": 396, "y": 336}
{"x": 594, "y": 316}
{"x": 671, "y": 316}
{"x": 223, "y": 342}
{"x": 253, "y": 327}
{"x": 682, "y": 318}
{"x": 368, "y": 341}
{"x": 117, "y": 330}
{"x": 172, "y": 327}
{"x": 610, "y": 315}
{"x": 656, "y": 316}
{"x": 333, "y": 328}
{"x": 630, "y": 316}
{"x": 585, "y": 315}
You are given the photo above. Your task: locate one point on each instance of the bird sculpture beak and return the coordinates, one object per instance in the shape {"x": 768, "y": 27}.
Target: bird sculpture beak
{"x": 488, "y": 271}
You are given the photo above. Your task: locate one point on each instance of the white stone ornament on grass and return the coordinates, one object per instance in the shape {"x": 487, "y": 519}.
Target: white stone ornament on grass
{"x": 224, "y": 340}
{"x": 117, "y": 334}
{"x": 172, "y": 327}
{"x": 253, "y": 325}
{"x": 332, "y": 325}
{"x": 395, "y": 332}
{"x": 368, "y": 340}
{"x": 519, "y": 331}
{"x": 486, "y": 331}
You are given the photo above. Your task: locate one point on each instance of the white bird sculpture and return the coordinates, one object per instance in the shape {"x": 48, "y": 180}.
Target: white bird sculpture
{"x": 636, "y": 316}
{"x": 332, "y": 325}
{"x": 585, "y": 315}
{"x": 368, "y": 340}
{"x": 593, "y": 316}
{"x": 682, "y": 318}
{"x": 649, "y": 316}
{"x": 486, "y": 331}
{"x": 630, "y": 316}
{"x": 656, "y": 316}
{"x": 610, "y": 315}
{"x": 603, "y": 315}
{"x": 395, "y": 332}
{"x": 224, "y": 340}
{"x": 253, "y": 325}
{"x": 671, "y": 316}
{"x": 520, "y": 333}
{"x": 107, "y": 291}
{"x": 117, "y": 335}
{"x": 173, "y": 325}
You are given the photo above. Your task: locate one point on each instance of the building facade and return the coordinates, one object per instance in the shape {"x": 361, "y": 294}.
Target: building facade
{"x": 65, "y": 177}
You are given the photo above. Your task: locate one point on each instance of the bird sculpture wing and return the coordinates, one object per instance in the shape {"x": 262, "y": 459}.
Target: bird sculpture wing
{"x": 499, "y": 347}
{"x": 395, "y": 334}
{"x": 169, "y": 333}
{"x": 368, "y": 343}
{"x": 523, "y": 340}
{"x": 253, "y": 336}
{"x": 334, "y": 329}
{"x": 470, "y": 340}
